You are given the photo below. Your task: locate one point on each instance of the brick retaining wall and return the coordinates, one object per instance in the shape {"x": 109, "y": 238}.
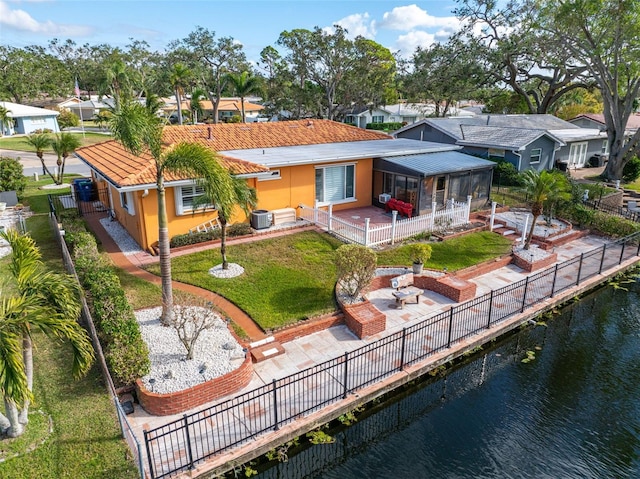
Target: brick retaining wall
{"x": 364, "y": 319}
{"x": 310, "y": 326}
{"x": 177, "y": 402}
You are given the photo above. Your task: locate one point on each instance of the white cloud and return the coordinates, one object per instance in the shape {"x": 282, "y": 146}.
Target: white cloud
{"x": 411, "y": 16}
{"x": 408, "y": 43}
{"x": 20, "y": 20}
{"x": 358, "y": 24}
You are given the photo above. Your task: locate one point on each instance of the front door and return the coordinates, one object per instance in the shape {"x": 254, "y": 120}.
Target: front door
{"x": 439, "y": 194}
{"x": 578, "y": 154}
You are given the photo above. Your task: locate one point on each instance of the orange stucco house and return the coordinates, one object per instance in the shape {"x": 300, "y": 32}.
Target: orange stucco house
{"x": 289, "y": 163}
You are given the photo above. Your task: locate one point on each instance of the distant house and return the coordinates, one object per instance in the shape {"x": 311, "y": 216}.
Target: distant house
{"x": 88, "y": 109}
{"x": 227, "y": 109}
{"x": 526, "y": 141}
{"x": 27, "y": 119}
{"x": 405, "y": 113}
{"x": 311, "y": 162}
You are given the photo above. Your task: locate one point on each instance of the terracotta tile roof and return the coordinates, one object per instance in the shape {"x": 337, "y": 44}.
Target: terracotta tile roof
{"x": 231, "y": 105}
{"x": 241, "y": 136}
{"x": 113, "y": 161}
{"x": 122, "y": 168}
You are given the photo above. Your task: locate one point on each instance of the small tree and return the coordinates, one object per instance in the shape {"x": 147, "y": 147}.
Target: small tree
{"x": 355, "y": 268}
{"x": 67, "y": 119}
{"x": 63, "y": 145}
{"x": 190, "y": 320}
{"x": 40, "y": 142}
{"x": 11, "y": 176}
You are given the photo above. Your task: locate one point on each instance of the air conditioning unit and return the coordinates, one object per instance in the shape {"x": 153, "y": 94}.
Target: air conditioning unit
{"x": 383, "y": 198}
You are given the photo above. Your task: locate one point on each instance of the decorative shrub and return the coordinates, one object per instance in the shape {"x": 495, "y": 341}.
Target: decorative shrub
{"x": 420, "y": 253}
{"x": 11, "y": 176}
{"x": 631, "y": 171}
{"x": 355, "y": 267}
{"x": 67, "y": 118}
{"x": 237, "y": 229}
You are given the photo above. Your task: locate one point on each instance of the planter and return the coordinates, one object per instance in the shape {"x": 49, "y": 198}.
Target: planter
{"x": 417, "y": 268}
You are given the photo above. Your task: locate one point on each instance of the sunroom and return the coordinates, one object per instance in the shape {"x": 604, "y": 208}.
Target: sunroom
{"x": 429, "y": 178}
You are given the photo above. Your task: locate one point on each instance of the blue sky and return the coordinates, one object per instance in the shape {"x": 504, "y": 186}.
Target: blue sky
{"x": 399, "y": 26}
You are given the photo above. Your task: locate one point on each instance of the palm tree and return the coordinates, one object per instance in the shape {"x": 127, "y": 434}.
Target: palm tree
{"x": 5, "y": 119}
{"x": 40, "y": 141}
{"x": 118, "y": 80}
{"x": 244, "y": 84}
{"x": 196, "y": 107}
{"x": 543, "y": 187}
{"x": 225, "y": 201}
{"x": 47, "y": 301}
{"x": 180, "y": 79}
{"x": 63, "y": 145}
{"x": 141, "y": 133}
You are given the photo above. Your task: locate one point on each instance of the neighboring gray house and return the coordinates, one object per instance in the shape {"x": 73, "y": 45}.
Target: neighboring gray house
{"x": 406, "y": 113}
{"x": 88, "y": 109}
{"x": 27, "y": 119}
{"x": 526, "y": 141}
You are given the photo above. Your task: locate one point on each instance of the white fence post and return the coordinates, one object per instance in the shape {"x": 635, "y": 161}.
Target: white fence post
{"x": 394, "y": 218}
{"x": 315, "y": 212}
{"x": 434, "y": 205}
{"x": 330, "y": 219}
{"x": 493, "y": 214}
{"x": 468, "y": 207}
{"x": 524, "y": 229}
{"x": 366, "y": 231}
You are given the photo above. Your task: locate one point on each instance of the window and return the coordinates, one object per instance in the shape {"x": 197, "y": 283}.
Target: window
{"x": 496, "y": 152}
{"x": 335, "y": 184}
{"x": 38, "y": 120}
{"x": 605, "y": 147}
{"x": 536, "y": 154}
{"x": 126, "y": 200}
{"x": 377, "y": 119}
{"x": 185, "y": 198}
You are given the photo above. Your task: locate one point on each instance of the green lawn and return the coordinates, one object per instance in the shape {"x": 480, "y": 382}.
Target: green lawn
{"x": 293, "y": 277}
{"x": 453, "y": 254}
{"x": 86, "y": 440}
{"x": 286, "y": 279}
{"x": 20, "y": 143}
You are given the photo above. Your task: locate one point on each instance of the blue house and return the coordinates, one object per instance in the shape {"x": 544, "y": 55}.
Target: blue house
{"x": 526, "y": 141}
{"x": 27, "y": 119}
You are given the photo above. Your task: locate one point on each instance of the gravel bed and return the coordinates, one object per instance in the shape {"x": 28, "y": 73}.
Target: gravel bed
{"x": 532, "y": 254}
{"x": 233, "y": 271}
{"x": 121, "y": 236}
{"x": 215, "y": 353}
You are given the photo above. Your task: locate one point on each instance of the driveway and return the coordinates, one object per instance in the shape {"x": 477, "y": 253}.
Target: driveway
{"x": 31, "y": 163}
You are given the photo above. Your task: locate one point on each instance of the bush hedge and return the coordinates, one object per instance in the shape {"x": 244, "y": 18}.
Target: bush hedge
{"x": 126, "y": 352}
{"x": 389, "y": 126}
{"x": 11, "y": 176}
{"x": 237, "y": 229}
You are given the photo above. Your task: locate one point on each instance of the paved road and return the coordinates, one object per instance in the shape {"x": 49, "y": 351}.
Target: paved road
{"x": 31, "y": 163}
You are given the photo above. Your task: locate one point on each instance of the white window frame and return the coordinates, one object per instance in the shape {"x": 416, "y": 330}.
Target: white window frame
{"x": 126, "y": 201}
{"x": 346, "y": 199}
{"x": 534, "y": 155}
{"x": 191, "y": 190}
{"x": 38, "y": 120}
{"x": 373, "y": 118}
{"x": 605, "y": 147}
{"x": 495, "y": 152}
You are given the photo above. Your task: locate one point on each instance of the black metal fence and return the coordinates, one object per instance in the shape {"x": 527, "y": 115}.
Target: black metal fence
{"x": 613, "y": 210}
{"x": 91, "y": 199}
{"x": 178, "y": 445}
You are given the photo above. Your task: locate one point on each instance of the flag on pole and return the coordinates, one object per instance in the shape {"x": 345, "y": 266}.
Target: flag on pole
{"x": 77, "y": 89}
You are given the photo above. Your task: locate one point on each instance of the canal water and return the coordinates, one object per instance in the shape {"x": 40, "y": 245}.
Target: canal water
{"x": 572, "y": 411}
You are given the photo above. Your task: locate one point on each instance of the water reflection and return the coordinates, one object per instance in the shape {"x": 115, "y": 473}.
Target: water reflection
{"x": 572, "y": 412}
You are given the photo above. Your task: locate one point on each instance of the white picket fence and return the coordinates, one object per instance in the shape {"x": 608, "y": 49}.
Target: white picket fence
{"x": 449, "y": 216}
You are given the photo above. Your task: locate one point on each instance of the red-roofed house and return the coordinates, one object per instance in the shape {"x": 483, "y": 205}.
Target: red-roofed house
{"x": 288, "y": 163}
